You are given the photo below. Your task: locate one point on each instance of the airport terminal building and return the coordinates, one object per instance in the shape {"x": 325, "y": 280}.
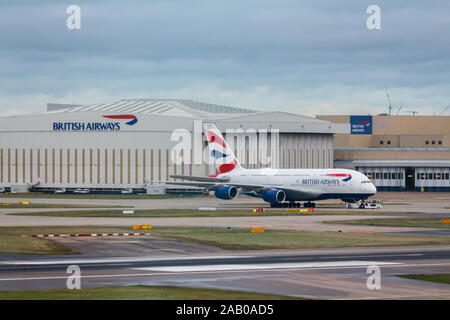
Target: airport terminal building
{"x": 135, "y": 143}
{"x": 398, "y": 153}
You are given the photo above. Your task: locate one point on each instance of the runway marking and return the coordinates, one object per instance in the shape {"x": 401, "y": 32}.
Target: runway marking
{"x": 125, "y": 275}
{"x": 358, "y": 256}
{"x": 116, "y": 260}
{"x": 299, "y": 265}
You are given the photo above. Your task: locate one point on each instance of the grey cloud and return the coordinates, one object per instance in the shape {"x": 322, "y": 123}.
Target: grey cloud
{"x": 174, "y": 46}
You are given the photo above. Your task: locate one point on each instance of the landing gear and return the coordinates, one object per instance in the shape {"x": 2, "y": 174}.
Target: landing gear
{"x": 362, "y": 205}
{"x": 286, "y": 205}
{"x": 309, "y": 204}
{"x": 292, "y": 205}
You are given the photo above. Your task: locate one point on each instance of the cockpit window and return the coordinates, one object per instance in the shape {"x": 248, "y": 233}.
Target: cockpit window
{"x": 366, "y": 181}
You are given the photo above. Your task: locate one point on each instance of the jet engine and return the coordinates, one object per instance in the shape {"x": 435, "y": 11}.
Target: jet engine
{"x": 226, "y": 192}
{"x": 274, "y": 196}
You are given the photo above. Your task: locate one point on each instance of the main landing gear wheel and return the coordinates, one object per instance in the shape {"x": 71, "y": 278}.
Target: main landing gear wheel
{"x": 309, "y": 204}
{"x": 292, "y": 204}
{"x": 286, "y": 205}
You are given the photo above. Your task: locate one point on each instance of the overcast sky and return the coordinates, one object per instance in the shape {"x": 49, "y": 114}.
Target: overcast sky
{"x": 307, "y": 57}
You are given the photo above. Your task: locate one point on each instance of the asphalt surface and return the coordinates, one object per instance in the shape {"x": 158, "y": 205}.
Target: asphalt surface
{"x": 323, "y": 274}
{"x": 327, "y": 274}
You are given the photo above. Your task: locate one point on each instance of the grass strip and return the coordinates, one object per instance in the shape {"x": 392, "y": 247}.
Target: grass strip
{"x": 242, "y": 239}
{"x": 12, "y": 241}
{"x": 397, "y": 222}
{"x": 138, "y": 293}
{"x": 437, "y": 278}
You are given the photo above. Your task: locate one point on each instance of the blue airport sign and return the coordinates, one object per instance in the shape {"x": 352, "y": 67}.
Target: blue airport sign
{"x": 361, "y": 124}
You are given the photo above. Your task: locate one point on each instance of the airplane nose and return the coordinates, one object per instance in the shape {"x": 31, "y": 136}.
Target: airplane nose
{"x": 373, "y": 189}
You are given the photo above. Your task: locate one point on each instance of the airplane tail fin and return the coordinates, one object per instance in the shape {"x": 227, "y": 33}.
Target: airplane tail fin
{"x": 220, "y": 151}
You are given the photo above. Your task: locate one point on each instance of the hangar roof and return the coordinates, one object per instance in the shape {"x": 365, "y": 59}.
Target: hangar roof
{"x": 223, "y": 116}
{"x": 179, "y": 108}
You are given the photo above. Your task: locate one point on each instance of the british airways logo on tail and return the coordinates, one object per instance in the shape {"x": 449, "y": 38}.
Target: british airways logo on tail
{"x": 217, "y": 154}
{"x": 225, "y": 161}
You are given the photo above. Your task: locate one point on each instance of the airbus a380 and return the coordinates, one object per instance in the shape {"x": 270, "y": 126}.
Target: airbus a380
{"x": 279, "y": 187}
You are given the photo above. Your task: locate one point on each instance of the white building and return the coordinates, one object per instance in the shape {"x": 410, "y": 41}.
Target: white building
{"x": 127, "y": 143}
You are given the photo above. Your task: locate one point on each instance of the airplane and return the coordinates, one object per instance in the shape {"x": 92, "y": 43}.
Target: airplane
{"x": 279, "y": 187}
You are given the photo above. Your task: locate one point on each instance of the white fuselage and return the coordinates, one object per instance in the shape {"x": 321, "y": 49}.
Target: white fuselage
{"x": 307, "y": 184}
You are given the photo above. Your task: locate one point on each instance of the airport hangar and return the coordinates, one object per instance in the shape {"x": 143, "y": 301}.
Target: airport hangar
{"x": 397, "y": 152}
{"x": 127, "y": 144}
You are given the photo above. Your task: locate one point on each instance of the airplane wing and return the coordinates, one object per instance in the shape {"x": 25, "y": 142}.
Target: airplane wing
{"x": 199, "y": 178}
{"x": 248, "y": 188}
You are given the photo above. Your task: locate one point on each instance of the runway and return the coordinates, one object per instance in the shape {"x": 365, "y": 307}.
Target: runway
{"x": 313, "y": 273}
{"x": 324, "y": 274}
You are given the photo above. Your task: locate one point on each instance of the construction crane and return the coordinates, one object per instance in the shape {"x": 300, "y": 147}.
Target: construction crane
{"x": 445, "y": 109}
{"x": 389, "y": 100}
{"x": 399, "y": 108}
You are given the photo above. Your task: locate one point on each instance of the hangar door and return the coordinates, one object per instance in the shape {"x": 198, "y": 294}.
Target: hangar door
{"x": 410, "y": 178}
